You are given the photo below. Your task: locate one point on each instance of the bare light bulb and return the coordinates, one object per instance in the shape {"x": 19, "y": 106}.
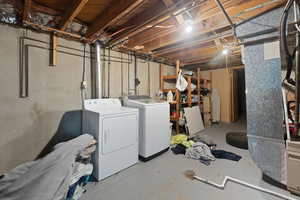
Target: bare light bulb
{"x": 225, "y": 51}
{"x": 188, "y": 29}
{"x": 189, "y": 25}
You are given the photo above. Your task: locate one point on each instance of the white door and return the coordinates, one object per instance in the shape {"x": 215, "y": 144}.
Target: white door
{"x": 118, "y": 132}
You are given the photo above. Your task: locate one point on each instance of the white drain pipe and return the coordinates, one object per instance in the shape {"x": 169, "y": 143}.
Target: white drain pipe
{"x": 191, "y": 174}
{"x": 286, "y": 118}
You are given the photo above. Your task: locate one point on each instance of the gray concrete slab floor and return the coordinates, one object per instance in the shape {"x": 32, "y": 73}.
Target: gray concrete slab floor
{"x": 162, "y": 178}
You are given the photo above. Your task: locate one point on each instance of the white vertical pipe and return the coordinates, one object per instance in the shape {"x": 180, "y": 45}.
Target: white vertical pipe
{"x": 98, "y": 74}
{"x": 286, "y": 119}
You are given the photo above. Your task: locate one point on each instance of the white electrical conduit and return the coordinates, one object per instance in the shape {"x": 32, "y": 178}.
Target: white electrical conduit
{"x": 286, "y": 119}
{"x": 191, "y": 175}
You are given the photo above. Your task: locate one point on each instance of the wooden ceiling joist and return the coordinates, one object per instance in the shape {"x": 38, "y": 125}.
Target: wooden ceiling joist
{"x": 152, "y": 27}
{"x": 26, "y": 9}
{"x": 224, "y": 12}
{"x": 192, "y": 43}
{"x": 43, "y": 9}
{"x": 209, "y": 17}
{"x": 153, "y": 21}
{"x": 71, "y": 13}
{"x": 171, "y": 40}
{"x": 117, "y": 10}
{"x": 179, "y": 18}
{"x": 58, "y": 32}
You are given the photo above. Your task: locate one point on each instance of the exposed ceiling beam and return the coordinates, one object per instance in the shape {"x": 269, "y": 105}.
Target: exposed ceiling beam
{"x": 116, "y": 11}
{"x": 37, "y": 7}
{"x": 153, "y": 21}
{"x": 43, "y": 9}
{"x": 213, "y": 58}
{"x": 203, "y": 67}
{"x": 71, "y": 13}
{"x": 26, "y": 9}
{"x": 210, "y": 16}
{"x": 152, "y": 34}
{"x": 224, "y": 12}
{"x": 195, "y": 42}
{"x": 196, "y": 54}
{"x": 170, "y": 40}
{"x": 179, "y": 18}
{"x": 218, "y": 43}
{"x": 54, "y": 30}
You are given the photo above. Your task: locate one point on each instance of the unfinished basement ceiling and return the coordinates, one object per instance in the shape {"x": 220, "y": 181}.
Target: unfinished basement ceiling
{"x": 155, "y": 28}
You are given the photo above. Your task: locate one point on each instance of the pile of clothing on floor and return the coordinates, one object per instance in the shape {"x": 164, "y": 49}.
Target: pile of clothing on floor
{"x": 60, "y": 175}
{"x": 200, "y": 148}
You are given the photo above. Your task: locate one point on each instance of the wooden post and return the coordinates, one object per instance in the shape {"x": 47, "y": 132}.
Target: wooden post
{"x": 177, "y": 98}
{"x": 199, "y": 87}
{"x": 161, "y": 78}
{"x": 26, "y": 10}
{"x": 53, "y": 50}
{"x": 189, "y": 91}
{"x": 209, "y": 97}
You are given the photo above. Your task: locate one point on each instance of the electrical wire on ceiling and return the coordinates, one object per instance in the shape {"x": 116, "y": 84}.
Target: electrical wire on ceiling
{"x": 289, "y": 56}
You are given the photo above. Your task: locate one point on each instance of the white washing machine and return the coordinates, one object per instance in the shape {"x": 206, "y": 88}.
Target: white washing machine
{"x": 154, "y": 125}
{"x": 116, "y": 130}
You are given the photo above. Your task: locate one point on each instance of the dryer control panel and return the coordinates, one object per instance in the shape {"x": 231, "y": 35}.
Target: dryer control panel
{"x": 91, "y": 104}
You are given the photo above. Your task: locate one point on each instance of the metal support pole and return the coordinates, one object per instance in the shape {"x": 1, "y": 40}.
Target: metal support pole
{"x": 98, "y": 74}
{"x": 135, "y": 75}
{"x": 226, "y": 15}
{"x": 224, "y": 12}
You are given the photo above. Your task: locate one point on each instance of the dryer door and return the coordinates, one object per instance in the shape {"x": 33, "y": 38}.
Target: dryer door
{"x": 119, "y": 132}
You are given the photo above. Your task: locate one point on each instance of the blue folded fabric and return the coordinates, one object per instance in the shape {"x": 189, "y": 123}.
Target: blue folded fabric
{"x": 221, "y": 154}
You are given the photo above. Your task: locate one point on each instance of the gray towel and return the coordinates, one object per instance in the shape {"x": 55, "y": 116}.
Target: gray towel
{"x": 47, "y": 178}
{"x": 199, "y": 151}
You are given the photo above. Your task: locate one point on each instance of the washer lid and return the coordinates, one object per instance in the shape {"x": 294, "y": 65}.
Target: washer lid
{"x": 147, "y": 102}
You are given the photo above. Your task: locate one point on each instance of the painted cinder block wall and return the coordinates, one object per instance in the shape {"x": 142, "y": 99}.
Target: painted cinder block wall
{"x": 51, "y": 113}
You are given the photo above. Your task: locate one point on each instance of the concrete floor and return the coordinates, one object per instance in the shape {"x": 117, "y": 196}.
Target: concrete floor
{"x": 162, "y": 178}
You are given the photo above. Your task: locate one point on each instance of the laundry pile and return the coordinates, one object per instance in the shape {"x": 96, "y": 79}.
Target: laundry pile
{"x": 60, "y": 175}
{"x": 200, "y": 148}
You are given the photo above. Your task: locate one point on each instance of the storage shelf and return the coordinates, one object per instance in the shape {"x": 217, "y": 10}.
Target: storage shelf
{"x": 173, "y": 78}
{"x": 167, "y": 90}
{"x": 174, "y": 119}
{"x": 195, "y": 79}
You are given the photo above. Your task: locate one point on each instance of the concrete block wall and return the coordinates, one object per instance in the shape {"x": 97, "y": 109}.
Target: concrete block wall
{"x": 51, "y": 113}
{"x": 118, "y": 78}
{"x": 28, "y": 124}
